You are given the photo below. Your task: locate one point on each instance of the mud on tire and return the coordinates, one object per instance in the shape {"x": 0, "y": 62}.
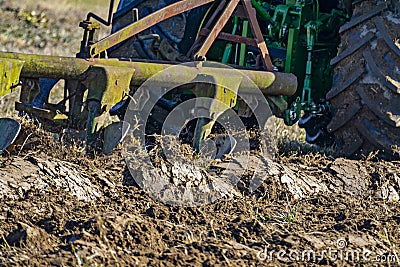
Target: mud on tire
{"x": 365, "y": 96}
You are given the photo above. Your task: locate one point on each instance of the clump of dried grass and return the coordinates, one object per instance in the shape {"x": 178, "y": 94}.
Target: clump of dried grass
{"x": 290, "y": 140}
{"x": 35, "y": 140}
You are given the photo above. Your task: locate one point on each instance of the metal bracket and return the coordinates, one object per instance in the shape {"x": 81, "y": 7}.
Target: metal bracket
{"x": 223, "y": 91}
{"x": 108, "y": 84}
{"x": 10, "y": 70}
{"x": 215, "y": 32}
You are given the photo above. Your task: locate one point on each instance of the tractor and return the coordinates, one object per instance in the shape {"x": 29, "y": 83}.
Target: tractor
{"x": 330, "y": 66}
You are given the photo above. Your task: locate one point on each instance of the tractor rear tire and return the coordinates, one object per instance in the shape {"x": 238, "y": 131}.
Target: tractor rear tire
{"x": 365, "y": 96}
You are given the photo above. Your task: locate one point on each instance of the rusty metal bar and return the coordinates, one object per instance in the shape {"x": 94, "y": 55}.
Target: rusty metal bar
{"x": 144, "y": 23}
{"x": 231, "y": 37}
{"x": 223, "y": 19}
{"x": 38, "y": 66}
{"x": 42, "y": 113}
{"x": 251, "y": 15}
{"x": 200, "y": 40}
{"x": 214, "y": 15}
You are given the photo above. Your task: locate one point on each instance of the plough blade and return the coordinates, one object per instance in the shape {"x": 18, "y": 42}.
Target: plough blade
{"x": 114, "y": 134}
{"x": 9, "y": 130}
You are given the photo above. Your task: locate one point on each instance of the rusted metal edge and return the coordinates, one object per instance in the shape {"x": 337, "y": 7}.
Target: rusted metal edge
{"x": 354, "y": 22}
{"x": 42, "y": 113}
{"x": 251, "y": 15}
{"x": 200, "y": 39}
{"x": 231, "y": 37}
{"x": 215, "y": 32}
{"x": 216, "y": 12}
{"x": 347, "y": 52}
{"x": 223, "y": 19}
{"x": 144, "y": 23}
{"x": 352, "y": 79}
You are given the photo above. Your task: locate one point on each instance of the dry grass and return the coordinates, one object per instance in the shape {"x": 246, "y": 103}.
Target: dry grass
{"x": 65, "y": 6}
{"x": 290, "y": 140}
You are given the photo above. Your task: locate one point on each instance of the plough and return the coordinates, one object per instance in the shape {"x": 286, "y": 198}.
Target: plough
{"x": 107, "y": 81}
{"x": 284, "y": 47}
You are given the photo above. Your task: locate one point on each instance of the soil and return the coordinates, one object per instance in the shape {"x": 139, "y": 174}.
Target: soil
{"x": 60, "y": 207}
